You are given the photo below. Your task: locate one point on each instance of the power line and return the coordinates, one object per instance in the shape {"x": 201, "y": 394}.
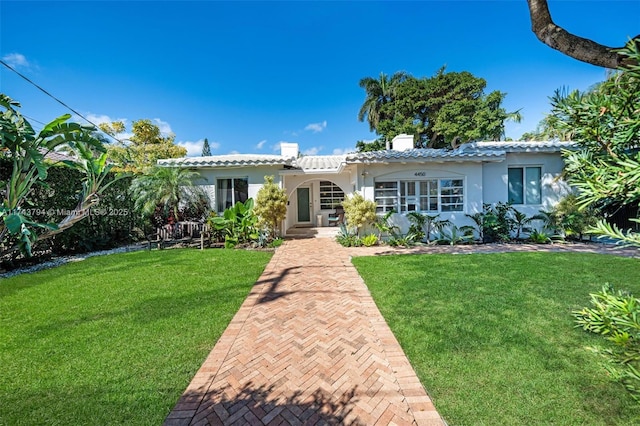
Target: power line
{"x": 57, "y": 100}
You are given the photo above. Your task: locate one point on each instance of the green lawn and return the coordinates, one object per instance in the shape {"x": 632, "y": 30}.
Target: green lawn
{"x": 115, "y": 339}
{"x": 492, "y": 338}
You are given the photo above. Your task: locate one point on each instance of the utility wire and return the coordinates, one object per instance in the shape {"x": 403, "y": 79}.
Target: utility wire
{"x": 58, "y": 100}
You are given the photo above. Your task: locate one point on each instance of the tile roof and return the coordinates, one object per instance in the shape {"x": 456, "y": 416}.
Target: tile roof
{"x": 520, "y": 146}
{"x": 474, "y": 151}
{"x": 229, "y": 160}
{"x": 321, "y": 163}
{"x": 424, "y": 155}
{"x": 56, "y": 156}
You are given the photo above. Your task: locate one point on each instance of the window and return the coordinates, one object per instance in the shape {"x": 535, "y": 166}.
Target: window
{"x": 330, "y": 195}
{"x": 231, "y": 191}
{"x": 451, "y": 195}
{"x": 524, "y": 185}
{"x": 432, "y": 195}
{"x": 386, "y": 196}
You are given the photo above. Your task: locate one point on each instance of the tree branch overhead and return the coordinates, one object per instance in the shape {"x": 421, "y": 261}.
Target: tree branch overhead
{"x": 577, "y": 47}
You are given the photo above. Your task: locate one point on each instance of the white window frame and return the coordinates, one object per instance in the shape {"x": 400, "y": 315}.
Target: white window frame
{"x": 405, "y": 195}
{"x": 234, "y": 194}
{"x": 331, "y": 195}
{"x": 526, "y": 189}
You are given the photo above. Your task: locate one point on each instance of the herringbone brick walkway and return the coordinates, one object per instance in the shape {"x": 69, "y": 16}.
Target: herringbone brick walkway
{"x": 308, "y": 346}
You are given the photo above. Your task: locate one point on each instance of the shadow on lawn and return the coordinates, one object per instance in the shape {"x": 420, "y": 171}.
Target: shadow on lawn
{"x": 262, "y": 405}
{"x": 145, "y": 312}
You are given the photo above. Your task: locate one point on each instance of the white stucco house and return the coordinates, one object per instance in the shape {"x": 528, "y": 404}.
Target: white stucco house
{"x": 451, "y": 183}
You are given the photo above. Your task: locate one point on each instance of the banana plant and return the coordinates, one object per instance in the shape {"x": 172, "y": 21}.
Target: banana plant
{"x": 238, "y": 223}
{"x": 26, "y": 149}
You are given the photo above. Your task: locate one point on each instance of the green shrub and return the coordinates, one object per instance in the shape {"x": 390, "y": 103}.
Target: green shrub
{"x": 238, "y": 224}
{"x": 370, "y": 240}
{"x": 453, "y": 235}
{"x": 275, "y": 243}
{"x": 348, "y": 238}
{"x": 271, "y": 205}
{"x": 494, "y": 223}
{"x": 539, "y": 237}
{"x": 567, "y": 219}
{"x": 358, "y": 211}
{"x": 111, "y": 223}
{"x": 616, "y": 316}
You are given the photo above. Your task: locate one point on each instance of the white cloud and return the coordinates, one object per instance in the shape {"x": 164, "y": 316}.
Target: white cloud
{"x": 260, "y": 144}
{"x": 165, "y": 128}
{"x": 313, "y": 150}
{"x": 103, "y": 118}
{"x": 234, "y": 152}
{"x": 194, "y": 149}
{"x": 342, "y": 151}
{"x": 16, "y": 60}
{"x": 317, "y": 127}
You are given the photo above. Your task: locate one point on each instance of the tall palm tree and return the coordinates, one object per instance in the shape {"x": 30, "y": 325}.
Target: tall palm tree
{"x": 379, "y": 92}
{"x": 169, "y": 187}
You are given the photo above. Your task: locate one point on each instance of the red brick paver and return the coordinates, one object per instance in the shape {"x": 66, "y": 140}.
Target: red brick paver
{"x": 308, "y": 346}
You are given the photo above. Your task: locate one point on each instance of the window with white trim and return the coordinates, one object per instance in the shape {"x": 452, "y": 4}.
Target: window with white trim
{"x": 524, "y": 185}
{"x": 330, "y": 195}
{"x": 386, "y": 196}
{"x": 431, "y": 195}
{"x": 230, "y": 191}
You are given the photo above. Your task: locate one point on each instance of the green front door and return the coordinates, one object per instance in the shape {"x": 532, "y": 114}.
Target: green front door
{"x": 304, "y": 214}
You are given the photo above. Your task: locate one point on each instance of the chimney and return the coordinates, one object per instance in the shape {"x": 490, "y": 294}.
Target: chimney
{"x": 289, "y": 149}
{"x": 402, "y": 142}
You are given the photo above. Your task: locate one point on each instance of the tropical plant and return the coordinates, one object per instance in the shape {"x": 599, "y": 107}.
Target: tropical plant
{"x": 437, "y": 110}
{"x": 539, "y": 237}
{"x": 168, "y": 189}
{"x": 407, "y": 240}
{"x": 519, "y": 222}
{"x": 26, "y": 151}
{"x": 616, "y": 316}
{"x": 370, "y": 240}
{"x": 383, "y": 225}
{"x": 567, "y": 219}
{"x": 271, "y": 205}
{"x": 359, "y": 211}
{"x": 348, "y": 237}
{"x": 605, "y": 123}
{"x": 423, "y": 225}
{"x": 418, "y": 222}
{"x": 494, "y": 223}
{"x": 379, "y": 93}
{"x": 453, "y": 235}
{"x": 238, "y": 224}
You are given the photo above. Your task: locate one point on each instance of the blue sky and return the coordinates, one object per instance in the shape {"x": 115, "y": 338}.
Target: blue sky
{"x": 249, "y": 75}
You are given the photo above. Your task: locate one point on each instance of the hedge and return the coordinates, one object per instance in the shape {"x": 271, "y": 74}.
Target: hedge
{"x": 113, "y": 222}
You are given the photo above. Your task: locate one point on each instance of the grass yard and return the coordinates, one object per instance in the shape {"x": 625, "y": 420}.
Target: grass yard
{"x": 492, "y": 338}
{"x": 115, "y": 339}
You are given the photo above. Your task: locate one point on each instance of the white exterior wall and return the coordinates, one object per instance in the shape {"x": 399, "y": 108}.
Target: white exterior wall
{"x": 470, "y": 173}
{"x": 495, "y": 180}
{"x": 254, "y": 174}
{"x": 483, "y": 183}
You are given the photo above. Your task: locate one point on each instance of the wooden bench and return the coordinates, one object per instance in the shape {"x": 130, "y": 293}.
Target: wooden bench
{"x": 181, "y": 232}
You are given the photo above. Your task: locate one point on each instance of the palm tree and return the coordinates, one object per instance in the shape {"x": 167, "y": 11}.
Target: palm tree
{"x": 379, "y": 92}
{"x": 168, "y": 187}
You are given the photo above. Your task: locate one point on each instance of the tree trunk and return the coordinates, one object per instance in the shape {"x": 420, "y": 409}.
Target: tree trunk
{"x": 579, "y": 48}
